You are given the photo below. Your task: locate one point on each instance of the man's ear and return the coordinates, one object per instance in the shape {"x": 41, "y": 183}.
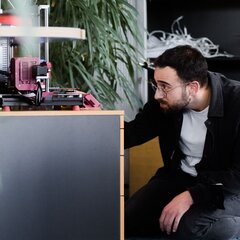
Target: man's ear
{"x": 194, "y": 87}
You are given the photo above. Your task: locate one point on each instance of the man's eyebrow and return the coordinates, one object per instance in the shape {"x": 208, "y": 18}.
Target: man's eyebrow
{"x": 163, "y": 82}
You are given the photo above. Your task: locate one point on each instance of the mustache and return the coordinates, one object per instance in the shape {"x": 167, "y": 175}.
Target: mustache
{"x": 162, "y": 101}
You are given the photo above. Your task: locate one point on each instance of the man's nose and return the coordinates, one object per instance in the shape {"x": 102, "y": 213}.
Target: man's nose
{"x": 158, "y": 94}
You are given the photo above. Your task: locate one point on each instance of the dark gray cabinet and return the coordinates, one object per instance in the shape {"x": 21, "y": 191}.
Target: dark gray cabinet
{"x": 61, "y": 175}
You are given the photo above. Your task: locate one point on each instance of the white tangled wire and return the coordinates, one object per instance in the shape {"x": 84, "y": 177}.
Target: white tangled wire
{"x": 159, "y": 41}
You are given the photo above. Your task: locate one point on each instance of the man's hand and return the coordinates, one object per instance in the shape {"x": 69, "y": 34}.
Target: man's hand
{"x": 173, "y": 211}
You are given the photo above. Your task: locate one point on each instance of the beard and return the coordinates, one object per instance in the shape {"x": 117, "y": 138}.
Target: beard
{"x": 178, "y": 106}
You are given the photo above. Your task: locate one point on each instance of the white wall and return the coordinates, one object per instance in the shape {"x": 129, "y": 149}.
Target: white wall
{"x": 141, "y": 74}
{"x": 141, "y": 79}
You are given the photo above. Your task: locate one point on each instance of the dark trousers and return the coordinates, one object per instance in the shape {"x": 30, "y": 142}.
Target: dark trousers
{"x": 143, "y": 209}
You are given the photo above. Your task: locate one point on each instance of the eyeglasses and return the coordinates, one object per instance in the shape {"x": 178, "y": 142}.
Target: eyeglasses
{"x": 164, "y": 88}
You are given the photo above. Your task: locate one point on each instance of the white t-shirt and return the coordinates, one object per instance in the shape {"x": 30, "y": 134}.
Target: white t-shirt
{"x": 192, "y": 139}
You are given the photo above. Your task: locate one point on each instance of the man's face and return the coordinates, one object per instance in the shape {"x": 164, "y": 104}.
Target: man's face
{"x": 171, "y": 91}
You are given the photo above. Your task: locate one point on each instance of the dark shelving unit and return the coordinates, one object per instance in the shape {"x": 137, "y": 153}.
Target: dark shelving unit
{"x": 217, "y": 20}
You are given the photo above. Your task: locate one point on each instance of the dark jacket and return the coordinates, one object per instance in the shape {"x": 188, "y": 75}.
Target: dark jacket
{"x": 220, "y": 164}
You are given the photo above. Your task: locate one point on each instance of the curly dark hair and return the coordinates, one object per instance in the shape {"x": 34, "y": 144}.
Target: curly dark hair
{"x": 188, "y": 62}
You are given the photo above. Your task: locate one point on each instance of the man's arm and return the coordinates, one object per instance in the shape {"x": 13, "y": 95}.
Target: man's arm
{"x": 144, "y": 127}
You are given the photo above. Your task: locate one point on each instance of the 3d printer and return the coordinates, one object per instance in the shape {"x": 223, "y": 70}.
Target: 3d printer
{"x": 24, "y": 81}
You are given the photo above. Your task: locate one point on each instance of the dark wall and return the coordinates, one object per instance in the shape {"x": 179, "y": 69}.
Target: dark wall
{"x": 217, "y": 20}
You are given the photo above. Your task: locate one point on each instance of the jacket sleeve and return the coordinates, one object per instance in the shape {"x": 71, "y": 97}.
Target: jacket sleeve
{"x": 144, "y": 127}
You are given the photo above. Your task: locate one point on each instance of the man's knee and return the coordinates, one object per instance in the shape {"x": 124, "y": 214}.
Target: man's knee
{"x": 140, "y": 224}
{"x": 208, "y": 228}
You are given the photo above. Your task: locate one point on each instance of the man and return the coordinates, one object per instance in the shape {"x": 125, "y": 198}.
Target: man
{"x": 196, "y": 115}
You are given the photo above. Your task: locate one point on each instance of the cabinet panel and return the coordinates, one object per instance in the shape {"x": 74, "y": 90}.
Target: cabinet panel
{"x": 60, "y": 177}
